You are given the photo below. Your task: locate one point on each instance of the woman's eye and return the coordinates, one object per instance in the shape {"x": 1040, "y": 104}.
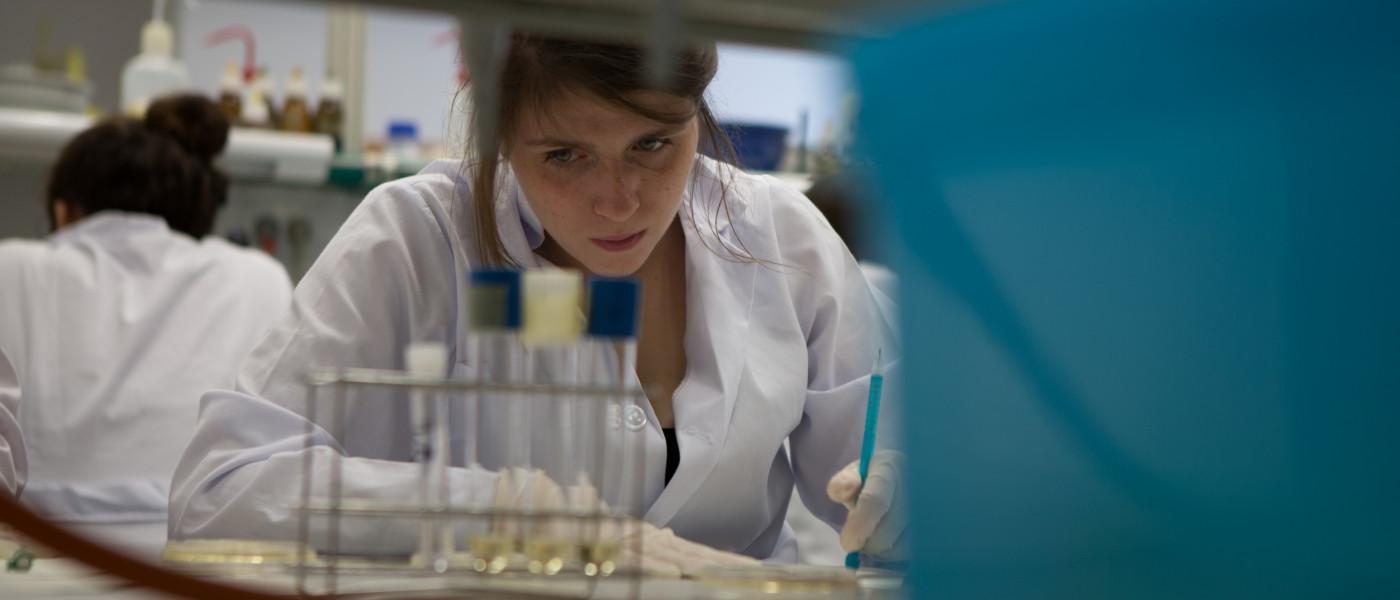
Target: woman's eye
{"x": 652, "y": 145}
{"x": 562, "y": 156}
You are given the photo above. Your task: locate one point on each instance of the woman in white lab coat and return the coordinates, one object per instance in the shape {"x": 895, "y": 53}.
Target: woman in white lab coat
{"x": 757, "y": 325}
{"x": 120, "y": 319}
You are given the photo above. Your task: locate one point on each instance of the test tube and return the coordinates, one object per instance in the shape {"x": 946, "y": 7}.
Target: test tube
{"x": 494, "y": 318}
{"x": 613, "y": 310}
{"x": 553, "y": 324}
{"x": 429, "y": 415}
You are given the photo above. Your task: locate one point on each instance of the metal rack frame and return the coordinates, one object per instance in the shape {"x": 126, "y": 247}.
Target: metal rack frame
{"x": 335, "y": 507}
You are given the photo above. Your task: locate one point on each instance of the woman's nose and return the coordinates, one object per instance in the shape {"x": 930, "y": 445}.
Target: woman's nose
{"x": 617, "y": 197}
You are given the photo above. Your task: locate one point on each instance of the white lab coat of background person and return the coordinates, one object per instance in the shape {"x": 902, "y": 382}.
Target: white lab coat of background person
{"x": 14, "y": 465}
{"x": 775, "y": 352}
{"x": 116, "y": 324}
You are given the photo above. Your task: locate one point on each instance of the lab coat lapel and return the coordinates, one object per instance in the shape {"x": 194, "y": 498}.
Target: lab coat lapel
{"x": 719, "y": 295}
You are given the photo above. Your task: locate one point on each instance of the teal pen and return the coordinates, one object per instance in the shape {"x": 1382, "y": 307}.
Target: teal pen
{"x": 867, "y": 443}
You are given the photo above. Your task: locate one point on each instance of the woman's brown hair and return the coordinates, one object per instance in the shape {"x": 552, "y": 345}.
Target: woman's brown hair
{"x": 539, "y": 69}
{"x": 160, "y": 165}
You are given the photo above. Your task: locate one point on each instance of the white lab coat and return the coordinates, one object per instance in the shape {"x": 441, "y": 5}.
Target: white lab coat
{"x": 774, "y": 351}
{"x": 14, "y": 464}
{"x": 116, "y": 325}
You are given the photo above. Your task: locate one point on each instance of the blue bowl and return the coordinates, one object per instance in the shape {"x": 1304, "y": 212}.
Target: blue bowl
{"x": 759, "y": 147}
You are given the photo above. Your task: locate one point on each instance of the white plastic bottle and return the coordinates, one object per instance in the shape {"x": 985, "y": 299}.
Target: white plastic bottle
{"x": 154, "y": 72}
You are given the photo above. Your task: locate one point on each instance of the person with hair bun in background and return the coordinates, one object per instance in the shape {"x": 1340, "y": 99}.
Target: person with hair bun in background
{"x": 109, "y": 320}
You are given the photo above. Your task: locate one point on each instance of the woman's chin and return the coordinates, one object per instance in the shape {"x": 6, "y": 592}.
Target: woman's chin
{"x": 614, "y": 268}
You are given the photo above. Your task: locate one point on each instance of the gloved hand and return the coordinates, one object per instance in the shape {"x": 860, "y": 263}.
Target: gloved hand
{"x": 666, "y": 554}
{"x": 663, "y": 553}
{"x": 878, "y": 516}
{"x": 519, "y": 489}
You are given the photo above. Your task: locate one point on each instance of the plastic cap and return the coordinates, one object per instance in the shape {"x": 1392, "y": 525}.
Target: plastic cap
{"x": 403, "y": 129}
{"x": 296, "y": 83}
{"x": 255, "y": 109}
{"x": 552, "y": 307}
{"x": 232, "y": 79}
{"x": 493, "y": 300}
{"x": 157, "y": 38}
{"x": 428, "y": 359}
{"x": 331, "y": 89}
{"x": 613, "y": 307}
{"x": 265, "y": 84}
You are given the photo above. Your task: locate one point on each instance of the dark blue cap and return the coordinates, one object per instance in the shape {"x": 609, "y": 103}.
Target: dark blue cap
{"x": 613, "y": 306}
{"x": 402, "y": 129}
{"x": 494, "y": 299}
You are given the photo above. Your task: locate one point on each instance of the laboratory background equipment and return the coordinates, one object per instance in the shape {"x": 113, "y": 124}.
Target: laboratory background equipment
{"x": 1152, "y": 247}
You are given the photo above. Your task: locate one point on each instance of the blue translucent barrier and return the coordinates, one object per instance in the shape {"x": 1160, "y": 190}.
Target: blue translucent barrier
{"x": 1151, "y": 279}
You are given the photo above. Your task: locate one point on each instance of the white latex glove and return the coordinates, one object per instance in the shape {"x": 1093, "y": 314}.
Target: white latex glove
{"x": 518, "y": 489}
{"x": 666, "y": 554}
{"x": 663, "y": 553}
{"x": 879, "y": 516}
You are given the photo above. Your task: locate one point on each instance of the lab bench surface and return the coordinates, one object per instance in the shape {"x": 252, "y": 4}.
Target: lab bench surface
{"x": 52, "y": 579}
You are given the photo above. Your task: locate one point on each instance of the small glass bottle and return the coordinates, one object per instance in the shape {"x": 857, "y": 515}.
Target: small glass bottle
{"x": 330, "y": 113}
{"x": 231, "y": 92}
{"x": 296, "y": 111}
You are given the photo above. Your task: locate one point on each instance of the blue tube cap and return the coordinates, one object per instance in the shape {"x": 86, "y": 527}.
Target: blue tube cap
{"x": 613, "y": 307}
{"x": 493, "y": 301}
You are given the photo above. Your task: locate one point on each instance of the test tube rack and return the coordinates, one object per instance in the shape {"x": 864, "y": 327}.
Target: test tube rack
{"x": 575, "y": 573}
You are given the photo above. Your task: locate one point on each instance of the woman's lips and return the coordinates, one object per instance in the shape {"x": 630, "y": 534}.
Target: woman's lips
{"x": 619, "y": 243}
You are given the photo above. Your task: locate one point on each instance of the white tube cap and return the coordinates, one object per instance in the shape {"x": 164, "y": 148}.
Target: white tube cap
{"x": 427, "y": 359}
{"x": 552, "y": 311}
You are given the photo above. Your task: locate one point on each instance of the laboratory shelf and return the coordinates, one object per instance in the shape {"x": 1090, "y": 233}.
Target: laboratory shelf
{"x": 357, "y": 172}
{"x": 252, "y": 154}
{"x": 812, "y": 24}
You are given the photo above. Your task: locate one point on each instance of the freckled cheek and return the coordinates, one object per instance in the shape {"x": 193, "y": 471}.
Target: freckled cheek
{"x": 669, "y": 183}
{"x": 564, "y": 207}
{"x": 553, "y": 203}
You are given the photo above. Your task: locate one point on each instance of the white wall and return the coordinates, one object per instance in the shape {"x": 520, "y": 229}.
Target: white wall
{"x": 770, "y": 86}
{"x": 408, "y": 74}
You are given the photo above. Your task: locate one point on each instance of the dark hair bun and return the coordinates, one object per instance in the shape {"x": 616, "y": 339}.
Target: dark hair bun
{"x": 195, "y": 122}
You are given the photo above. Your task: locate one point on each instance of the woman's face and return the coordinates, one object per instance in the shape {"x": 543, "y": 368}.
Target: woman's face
{"x": 605, "y": 182}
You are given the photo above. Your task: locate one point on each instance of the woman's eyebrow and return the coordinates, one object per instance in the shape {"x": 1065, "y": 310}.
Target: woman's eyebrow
{"x": 550, "y": 141}
{"x": 665, "y": 131}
